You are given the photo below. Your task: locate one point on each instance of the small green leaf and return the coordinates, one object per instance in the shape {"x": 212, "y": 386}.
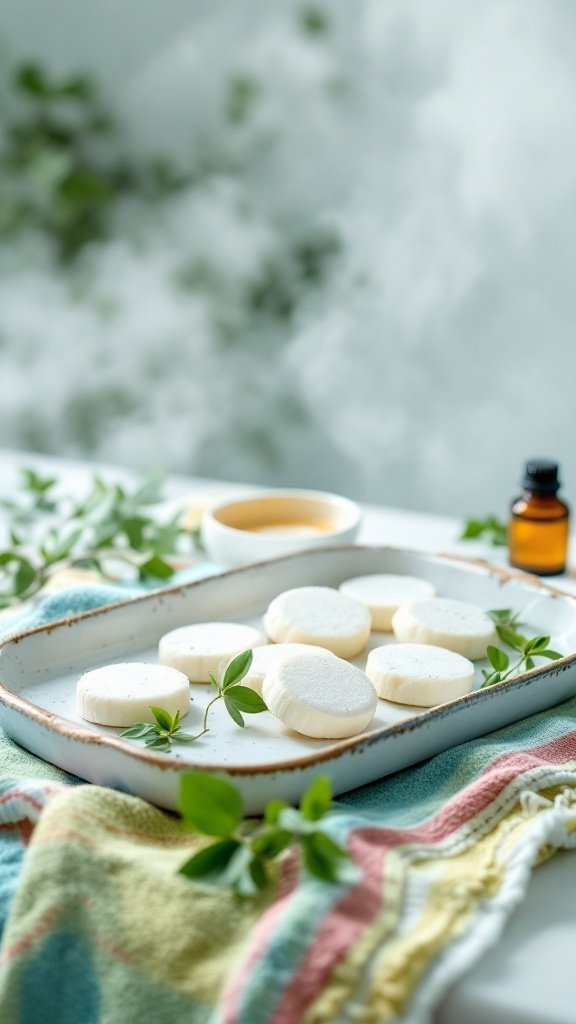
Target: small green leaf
{"x": 472, "y": 528}
{"x": 134, "y": 527}
{"x": 498, "y": 658}
{"x": 245, "y": 699}
{"x": 318, "y": 861}
{"x": 233, "y": 711}
{"x": 495, "y": 677}
{"x": 529, "y": 662}
{"x": 24, "y": 578}
{"x": 210, "y": 862}
{"x": 536, "y": 644}
{"x": 269, "y": 844}
{"x": 237, "y": 669}
{"x": 258, "y": 873}
{"x": 158, "y": 743}
{"x": 511, "y": 638}
{"x": 182, "y": 737}
{"x": 30, "y": 79}
{"x": 210, "y": 805}
{"x": 138, "y": 731}
{"x": 273, "y": 810}
{"x": 163, "y": 718}
{"x": 500, "y": 615}
{"x": 553, "y": 655}
{"x": 491, "y": 528}
{"x": 150, "y": 491}
{"x": 317, "y": 799}
{"x": 291, "y": 820}
{"x": 156, "y": 568}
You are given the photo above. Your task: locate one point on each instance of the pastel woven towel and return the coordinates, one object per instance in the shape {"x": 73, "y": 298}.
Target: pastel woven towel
{"x": 100, "y": 928}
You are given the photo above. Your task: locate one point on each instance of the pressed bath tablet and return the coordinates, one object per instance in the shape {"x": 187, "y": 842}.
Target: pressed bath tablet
{"x": 456, "y": 625}
{"x": 269, "y": 656}
{"x": 383, "y": 594}
{"x": 122, "y": 694}
{"x": 419, "y": 674}
{"x": 198, "y": 650}
{"x": 321, "y": 616}
{"x": 320, "y": 696}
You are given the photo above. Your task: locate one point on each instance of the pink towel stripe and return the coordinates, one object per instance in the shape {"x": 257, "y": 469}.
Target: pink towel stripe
{"x": 229, "y": 1006}
{"x": 361, "y": 907}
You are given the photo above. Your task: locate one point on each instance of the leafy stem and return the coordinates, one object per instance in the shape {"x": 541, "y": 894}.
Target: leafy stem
{"x": 109, "y": 525}
{"x": 163, "y": 734}
{"x": 528, "y": 648}
{"x": 237, "y": 700}
{"x": 491, "y": 528}
{"x": 241, "y": 859}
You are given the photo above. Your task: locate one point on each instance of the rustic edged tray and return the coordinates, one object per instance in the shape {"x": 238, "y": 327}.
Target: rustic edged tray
{"x": 39, "y": 669}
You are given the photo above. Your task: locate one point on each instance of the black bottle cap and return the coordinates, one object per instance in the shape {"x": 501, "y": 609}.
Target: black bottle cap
{"x": 541, "y": 476}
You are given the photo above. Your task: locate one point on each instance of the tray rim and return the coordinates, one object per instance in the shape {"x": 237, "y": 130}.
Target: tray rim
{"x": 77, "y": 732}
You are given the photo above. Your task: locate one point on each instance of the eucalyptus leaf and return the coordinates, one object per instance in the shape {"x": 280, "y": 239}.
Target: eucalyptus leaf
{"x": 233, "y": 711}
{"x": 498, "y": 658}
{"x": 273, "y": 810}
{"x": 210, "y": 805}
{"x": 510, "y": 637}
{"x": 138, "y": 731}
{"x": 211, "y": 861}
{"x": 158, "y": 743}
{"x": 155, "y": 567}
{"x": 537, "y": 644}
{"x": 318, "y": 861}
{"x": 258, "y": 873}
{"x": 245, "y": 699}
{"x": 317, "y": 799}
{"x": 24, "y": 578}
{"x": 237, "y": 669}
{"x": 164, "y": 718}
{"x": 269, "y": 844}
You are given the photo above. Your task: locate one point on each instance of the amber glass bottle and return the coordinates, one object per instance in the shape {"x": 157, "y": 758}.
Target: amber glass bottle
{"x": 538, "y": 529}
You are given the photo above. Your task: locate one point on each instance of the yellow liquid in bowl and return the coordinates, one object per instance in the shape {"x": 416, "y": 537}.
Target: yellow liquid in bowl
{"x": 292, "y": 529}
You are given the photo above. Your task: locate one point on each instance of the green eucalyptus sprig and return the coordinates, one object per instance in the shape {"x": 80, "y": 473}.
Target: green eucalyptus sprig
{"x": 238, "y": 699}
{"x": 527, "y": 648}
{"x": 240, "y": 858}
{"x": 163, "y": 734}
{"x": 490, "y": 528}
{"x": 111, "y": 525}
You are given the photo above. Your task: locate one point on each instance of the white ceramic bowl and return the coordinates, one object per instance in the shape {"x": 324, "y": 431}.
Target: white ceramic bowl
{"x": 277, "y": 523}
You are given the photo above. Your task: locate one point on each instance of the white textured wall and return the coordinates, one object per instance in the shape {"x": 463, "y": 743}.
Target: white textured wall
{"x": 435, "y": 139}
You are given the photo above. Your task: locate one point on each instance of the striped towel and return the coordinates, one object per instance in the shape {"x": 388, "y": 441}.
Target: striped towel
{"x": 99, "y": 927}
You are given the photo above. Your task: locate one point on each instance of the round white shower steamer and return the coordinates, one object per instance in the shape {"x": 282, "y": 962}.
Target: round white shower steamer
{"x": 384, "y": 593}
{"x": 122, "y": 694}
{"x": 269, "y": 656}
{"x": 320, "y": 696}
{"x": 199, "y": 650}
{"x": 443, "y": 622}
{"x": 419, "y": 674}
{"x": 320, "y": 616}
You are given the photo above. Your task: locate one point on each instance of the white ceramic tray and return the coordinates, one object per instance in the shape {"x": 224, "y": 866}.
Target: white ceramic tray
{"x": 39, "y": 669}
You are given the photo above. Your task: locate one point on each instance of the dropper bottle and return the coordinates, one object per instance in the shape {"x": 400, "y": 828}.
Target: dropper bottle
{"x": 538, "y": 528}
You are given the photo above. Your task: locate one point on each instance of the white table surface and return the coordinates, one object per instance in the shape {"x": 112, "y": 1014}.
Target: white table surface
{"x": 528, "y": 977}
